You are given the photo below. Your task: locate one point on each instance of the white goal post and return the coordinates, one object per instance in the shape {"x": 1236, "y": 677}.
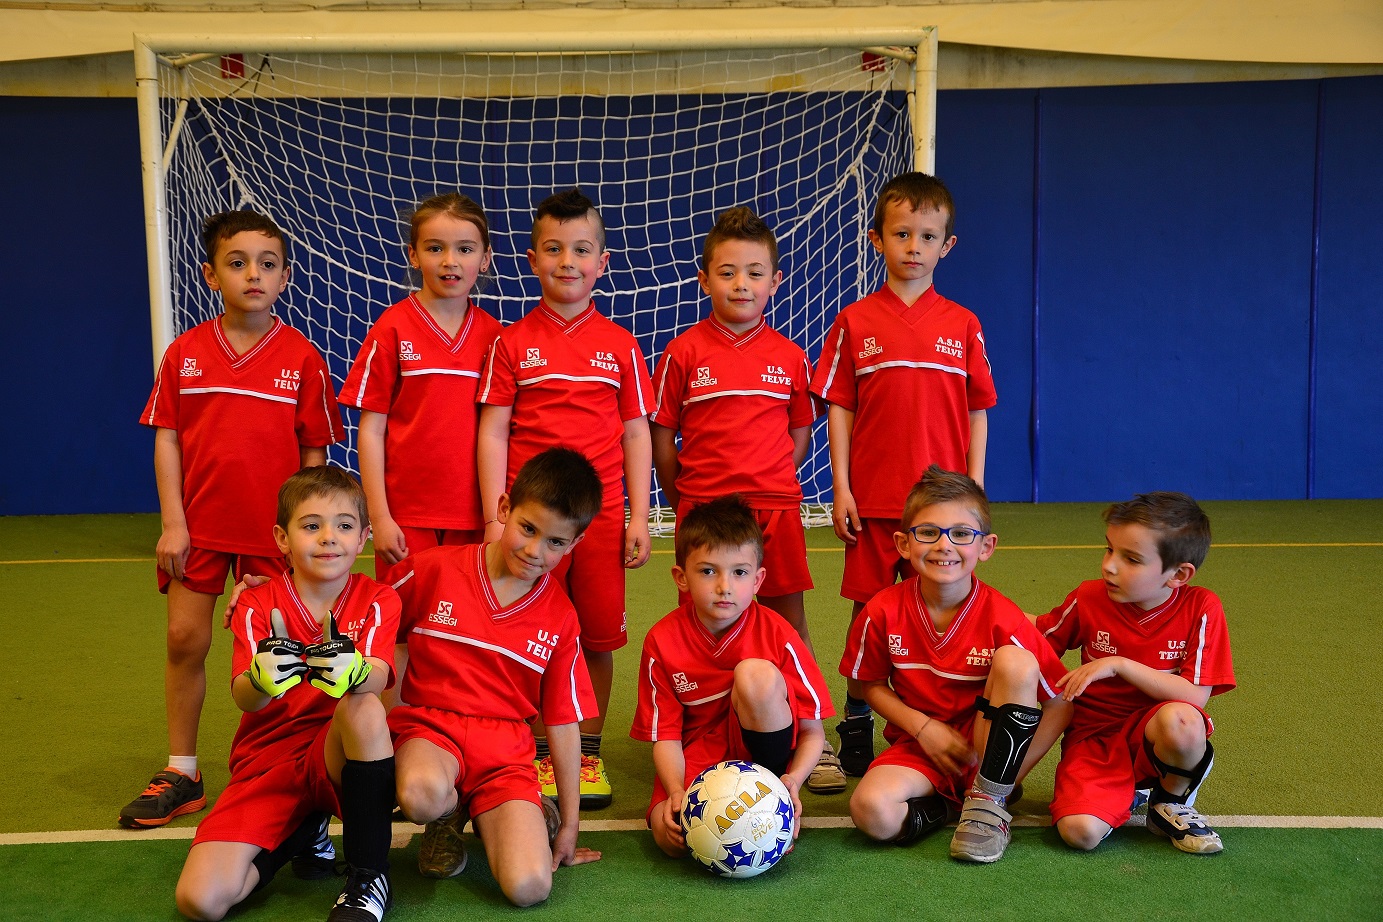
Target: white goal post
{"x": 336, "y": 136}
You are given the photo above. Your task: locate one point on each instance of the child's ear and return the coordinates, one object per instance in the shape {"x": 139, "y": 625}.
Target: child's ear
{"x": 759, "y": 579}
{"x": 1181, "y": 575}
{"x": 946, "y": 247}
{"x": 987, "y": 546}
{"x": 574, "y": 542}
{"x": 287, "y": 274}
{"x": 209, "y": 273}
{"x": 704, "y": 279}
{"x": 777, "y": 280}
{"x": 413, "y": 257}
{"x": 604, "y": 263}
{"x": 281, "y": 539}
{"x": 679, "y": 576}
{"x": 875, "y": 239}
{"x": 900, "y": 541}
{"x": 502, "y": 509}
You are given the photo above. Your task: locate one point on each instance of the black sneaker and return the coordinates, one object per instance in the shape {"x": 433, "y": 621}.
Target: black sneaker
{"x": 318, "y": 860}
{"x": 856, "y": 744}
{"x": 170, "y": 793}
{"x": 365, "y": 898}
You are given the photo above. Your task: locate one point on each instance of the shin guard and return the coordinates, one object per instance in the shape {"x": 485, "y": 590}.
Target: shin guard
{"x": 1195, "y": 776}
{"x": 1011, "y": 729}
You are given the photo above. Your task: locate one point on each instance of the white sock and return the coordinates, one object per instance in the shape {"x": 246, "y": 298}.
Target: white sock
{"x": 185, "y": 764}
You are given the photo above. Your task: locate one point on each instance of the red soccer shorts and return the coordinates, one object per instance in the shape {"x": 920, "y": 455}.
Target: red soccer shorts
{"x": 495, "y": 755}
{"x": 593, "y": 576}
{"x": 205, "y": 571}
{"x": 263, "y": 810}
{"x": 785, "y": 551}
{"x": 1098, "y": 774}
{"x": 420, "y": 539}
{"x": 873, "y": 562}
{"x": 909, "y": 753}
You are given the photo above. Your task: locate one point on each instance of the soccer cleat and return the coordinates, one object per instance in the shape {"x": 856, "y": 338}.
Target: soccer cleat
{"x": 547, "y": 781}
{"x": 1187, "y": 829}
{"x": 1140, "y": 801}
{"x": 170, "y": 793}
{"x": 552, "y": 817}
{"x": 856, "y": 744}
{"x": 982, "y": 833}
{"x": 595, "y": 783}
{"x": 442, "y": 853}
{"x": 826, "y": 777}
{"x": 318, "y": 860}
{"x": 365, "y": 898}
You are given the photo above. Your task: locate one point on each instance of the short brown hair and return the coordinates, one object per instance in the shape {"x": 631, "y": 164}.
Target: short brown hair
{"x": 1183, "y": 528}
{"x": 920, "y": 191}
{"x": 568, "y": 206}
{"x": 224, "y": 225}
{"x": 938, "y": 486}
{"x": 562, "y": 481}
{"x": 739, "y": 224}
{"x": 724, "y": 522}
{"x": 461, "y": 207}
{"x": 322, "y": 480}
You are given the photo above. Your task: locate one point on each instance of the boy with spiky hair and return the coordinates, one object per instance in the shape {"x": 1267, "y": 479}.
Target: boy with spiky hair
{"x": 1154, "y": 649}
{"x": 722, "y": 676}
{"x": 923, "y": 650}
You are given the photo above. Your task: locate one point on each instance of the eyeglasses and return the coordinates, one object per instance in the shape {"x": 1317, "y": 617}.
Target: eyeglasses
{"x": 960, "y": 535}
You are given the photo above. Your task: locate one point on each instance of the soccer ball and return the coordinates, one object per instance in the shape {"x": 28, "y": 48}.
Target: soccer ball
{"x": 738, "y": 819}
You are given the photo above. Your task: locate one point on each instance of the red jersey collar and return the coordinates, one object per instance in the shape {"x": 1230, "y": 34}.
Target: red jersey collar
{"x": 940, "y": 639}
{"x": 910, "y": 312}
{"x": 431, "y": 322}
{"x": 309, "y": 623}
{"x": 718, "y": 645}
{"x": 562, "y": 323}
{"x": 498, "y": 612}
{"x": 236, "y": 360}
{"x": 1143, "y": 618}
{"x": 736, "y": 339}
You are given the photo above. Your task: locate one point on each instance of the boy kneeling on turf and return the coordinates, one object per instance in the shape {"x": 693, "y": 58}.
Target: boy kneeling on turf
{"x": 1153, "y": 650}
{"x": 314, "y": 647}
{"x": 924, "y": 649}
{"x": 492, "y": 644}
{"x": 723, "y": 677}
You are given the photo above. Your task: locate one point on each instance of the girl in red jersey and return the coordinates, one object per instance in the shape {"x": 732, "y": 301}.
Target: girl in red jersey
{"x": 414, "y": 382}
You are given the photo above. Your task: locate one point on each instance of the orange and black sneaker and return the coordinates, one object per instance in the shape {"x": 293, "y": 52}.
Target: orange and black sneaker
{"x": 170, "y": 793}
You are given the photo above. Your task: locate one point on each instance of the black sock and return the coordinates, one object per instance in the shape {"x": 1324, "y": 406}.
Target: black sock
{"x": 590, "y": 744}
{"x": 856, "y": 707}
{"x": 268, "y": 862}
{"x": 367, "y": 805}
{"x": 770, "y": 748}
{"x": 540, "y": 747}
{"x": 925, "y": 815}
{"x": 1011, "y": 729}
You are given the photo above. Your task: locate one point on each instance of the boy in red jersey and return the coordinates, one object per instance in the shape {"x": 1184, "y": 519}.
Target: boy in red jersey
{"x": 415, "y": 381}
{"x": 908, "y": 384}
{"x": 492, "y": 644}
{"x": 241, "y": 402}
{"x": 723, "y": 677}
{"x": 1153, "y": 651}
{"x": 565, "y": 375}
{"x": 313, "y": 649}
{"x": 922, "y": 650}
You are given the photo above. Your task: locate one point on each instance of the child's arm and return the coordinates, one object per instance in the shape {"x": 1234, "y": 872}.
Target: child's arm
{"x": 671, "y": 766}
{"x": 174, "y": 543}
{"x": 845, "y": 515}
{"x": 564, "y": 741}
{"x": 951, "y": 752}
{"x": 1162, "y": 686}
{"x": 638, "y": 467}
{"x": 665, "y": 460}
{"x": 311, "y": 455}
{"x": 811, "y": 739}
{"x": 979, "y": 442}
{"x": 801, "y": 444}
{"x": 492, "y": 463}
{"x": 388, "y": 536}
{"x": 1056, "y": 716}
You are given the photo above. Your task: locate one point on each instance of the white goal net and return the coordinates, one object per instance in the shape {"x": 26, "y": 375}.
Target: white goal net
{"x": 337, "y": 148}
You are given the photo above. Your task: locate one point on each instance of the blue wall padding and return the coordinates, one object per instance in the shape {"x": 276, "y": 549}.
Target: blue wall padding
{"x": 78, "y": 361}
{"x": 1349, "y": 366}
{"x": 1175, "y": 267}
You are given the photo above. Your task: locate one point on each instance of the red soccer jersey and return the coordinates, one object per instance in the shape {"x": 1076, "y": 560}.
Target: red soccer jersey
{"x": 1185, "y": 636}
{"x": 240, "y": 421}
{"x": 572, "y": 384}
{"x": 894, "y": 639}
{"x": 284, "y": 728}
{"x": 911, "y": 375}
{"x": 735, "y": 398}
{"x": 685, "y": 672}
{"x": 469, "y": 655}
{"x": 426, "y": 381}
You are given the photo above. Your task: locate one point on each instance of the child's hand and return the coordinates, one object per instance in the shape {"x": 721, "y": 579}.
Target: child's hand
{"x": 493, "y": 531}
{"x": 668, "y": 816}
{"x": 278, "y": 661}
{"x": 248, "y": 581}
{"x": 172, "y": 549}
{"x": 1079, "y": 679}
{"x": 845, "y": 516}
{"x": 951, "y": 752}
{"x": 794, "y": 786}
{"x": 565, "y": 852}
{"x": 637, "y": 544}
{"x": 389, "y": 542}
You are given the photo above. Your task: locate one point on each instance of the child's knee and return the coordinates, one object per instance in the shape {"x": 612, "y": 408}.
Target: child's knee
{"x": 200, "y": 902}
{"x": 530, "y": 887}
{"x": 424, "y": 796}
{"x": 877, "y": 817}
{"x": 1082, "y": 832}
{"x": 364, "y": 714}
{"x": 1015, "y": 665}
{"x": 759, "y": 680}
{"x": 1177, "y": 726}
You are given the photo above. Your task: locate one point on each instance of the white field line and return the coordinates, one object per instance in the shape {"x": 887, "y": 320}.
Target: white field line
{"x": 404, "y": 831}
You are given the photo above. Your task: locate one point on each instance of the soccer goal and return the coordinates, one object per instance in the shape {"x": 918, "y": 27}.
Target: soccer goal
{"x": 337, "y": 138}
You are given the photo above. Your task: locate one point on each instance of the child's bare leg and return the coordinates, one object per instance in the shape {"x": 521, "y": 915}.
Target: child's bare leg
{"x": 601, "y": 665}
{"x": 1177, "y": 735}
{"x": 1175, "y": 740}
{"x": 215, "y": 877}
{"x": 425, "y": 780}
{"x": 794, "y": 611}
{"x": 184, "y": 678}
{"x": 673, "y": 848}
{"x": 884, "y": 798}
{"x": 1082, "y": 830}
{"x": 759, "y": 695}
{"x": 516, "y": 845}
{"x": 856, "y": 728}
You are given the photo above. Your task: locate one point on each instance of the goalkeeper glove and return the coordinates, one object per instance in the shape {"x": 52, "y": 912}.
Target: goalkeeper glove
{"x": 336, "y": 666}
{"x": 278, "y": 661}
